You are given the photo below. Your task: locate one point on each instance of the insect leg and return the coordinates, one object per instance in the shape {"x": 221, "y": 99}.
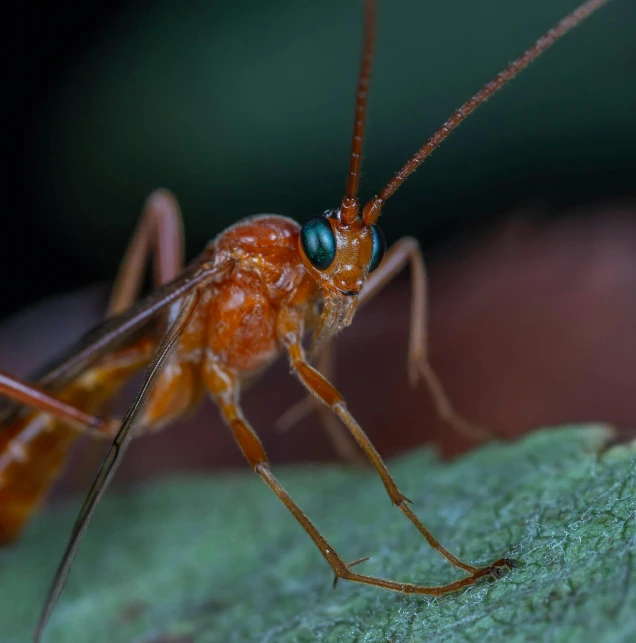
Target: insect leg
{"x": 403, "y": 252}
{"x": 224, "y": 388}
{"x": 290, "y": 330}
{"x": 35, "y": 397}
{"x": 88, "y": 390}
{"x": 159, "y": 232}
{"x": 341, "y": 442}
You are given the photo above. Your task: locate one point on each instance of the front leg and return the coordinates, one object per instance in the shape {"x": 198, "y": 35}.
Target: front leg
{"x": 224, "y": 387}
{"x": 290, "y": 332}
{"x": 403, "y": 252}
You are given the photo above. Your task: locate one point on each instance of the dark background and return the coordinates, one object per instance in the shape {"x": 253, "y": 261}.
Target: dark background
{"x": 246, "y": 107}
{"x": 526, "y": 214}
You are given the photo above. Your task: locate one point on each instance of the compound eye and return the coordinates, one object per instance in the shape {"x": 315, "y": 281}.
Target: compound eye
{"x": 378, "y": 248}
{"x": 318, "y": 242}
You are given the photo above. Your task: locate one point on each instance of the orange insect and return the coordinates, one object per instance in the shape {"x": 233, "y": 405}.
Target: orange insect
{"x": 251, "y": 295}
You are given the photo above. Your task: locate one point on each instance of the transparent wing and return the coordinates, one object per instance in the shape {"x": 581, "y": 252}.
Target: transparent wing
{"x": 114, "y": 333}
{"x": 114, "y": 457}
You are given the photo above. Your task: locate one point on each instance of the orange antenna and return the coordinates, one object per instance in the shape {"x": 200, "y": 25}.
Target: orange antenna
{"x": 373, "y": 208}
{"x": 350, "y": 205}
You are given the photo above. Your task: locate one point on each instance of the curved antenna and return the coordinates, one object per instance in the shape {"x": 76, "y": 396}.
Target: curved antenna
{"x": 373, "y": 208}
{"x": 113, "y": 458}
{"x": 350, "y": 205}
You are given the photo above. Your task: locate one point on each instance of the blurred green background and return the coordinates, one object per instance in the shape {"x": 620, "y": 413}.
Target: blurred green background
{"x": 247, "y": 107}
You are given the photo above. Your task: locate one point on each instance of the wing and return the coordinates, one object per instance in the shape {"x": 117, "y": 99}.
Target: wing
{"x": 114, "y": 457}
{"x": 118, "y": 330}
{"x": 115, "y": 331}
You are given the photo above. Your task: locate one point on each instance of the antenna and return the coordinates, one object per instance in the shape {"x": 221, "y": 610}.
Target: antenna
{"x": 373, "y": 208}
{"x": 350, "y": 205}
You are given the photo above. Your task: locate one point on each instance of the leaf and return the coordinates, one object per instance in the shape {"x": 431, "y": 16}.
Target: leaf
{"x": 219, "y": 559}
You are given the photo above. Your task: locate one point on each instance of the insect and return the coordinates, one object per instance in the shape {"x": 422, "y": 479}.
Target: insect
{"x": 253, "y": 293}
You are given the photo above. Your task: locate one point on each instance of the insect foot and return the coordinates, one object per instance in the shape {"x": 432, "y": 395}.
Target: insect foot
{"x": 496, "y": 569}
{"x": 349, "y": 566}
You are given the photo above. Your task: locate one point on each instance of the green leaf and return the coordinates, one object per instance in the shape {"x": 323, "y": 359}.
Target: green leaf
{"x": 219, "y": 559}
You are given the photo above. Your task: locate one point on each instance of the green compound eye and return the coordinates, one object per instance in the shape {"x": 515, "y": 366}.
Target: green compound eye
{"x": 378, "y": 248}
{"x": 318, "y": 242}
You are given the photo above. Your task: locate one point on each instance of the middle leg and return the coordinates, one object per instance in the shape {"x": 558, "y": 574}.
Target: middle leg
{"x": 407, "y": 251}
{"x": 159, "y": 234}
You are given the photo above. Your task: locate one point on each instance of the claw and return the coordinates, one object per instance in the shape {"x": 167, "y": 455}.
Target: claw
{"x": 495, "y": 570}
{"x": 510, "y": 563}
